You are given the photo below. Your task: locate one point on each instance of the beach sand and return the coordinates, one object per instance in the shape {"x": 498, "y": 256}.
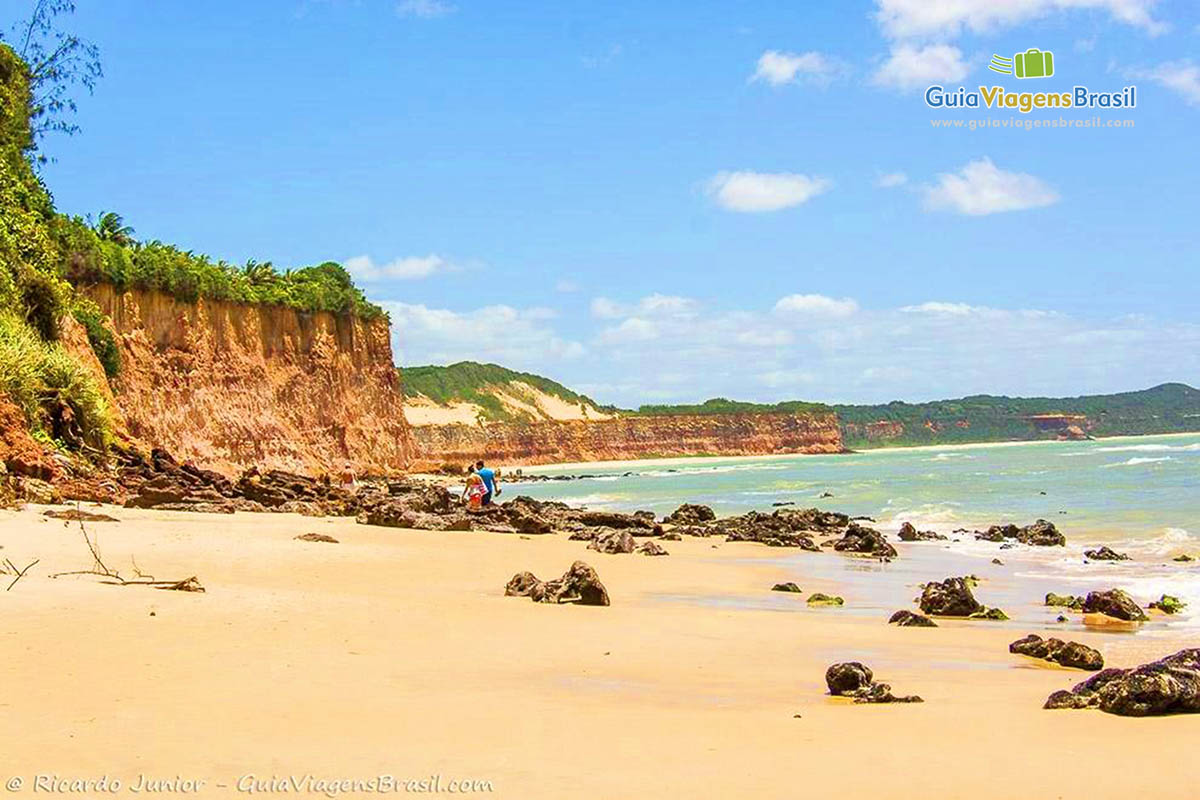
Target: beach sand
{"x": 395, "y": 652}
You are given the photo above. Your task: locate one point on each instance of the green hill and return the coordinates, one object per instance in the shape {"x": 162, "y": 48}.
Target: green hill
{"x": 499, "y": 392}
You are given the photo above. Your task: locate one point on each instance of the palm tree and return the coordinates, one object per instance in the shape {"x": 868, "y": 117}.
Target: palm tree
{"x": 111, "y": 227}
{"x": 260, "y": 273}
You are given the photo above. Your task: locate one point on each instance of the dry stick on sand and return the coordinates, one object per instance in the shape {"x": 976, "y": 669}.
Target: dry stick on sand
{"x": 20, "y": 572}
{"x": 101, "y": 569}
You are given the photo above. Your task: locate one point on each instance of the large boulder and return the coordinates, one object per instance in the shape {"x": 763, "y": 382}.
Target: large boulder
{"x": 1170, "y": 685}
{"x": 908, "y": 533}
{"x": 1113, "y": 603}
{"x": 1040, "y": 534}
{"x": 579, "y": 585}
{"x": 1068, "y": 654}
{"x": 949, "y": 598}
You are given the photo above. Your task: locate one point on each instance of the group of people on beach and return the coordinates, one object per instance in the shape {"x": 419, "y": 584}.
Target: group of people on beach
{"x": 483, "y": 485}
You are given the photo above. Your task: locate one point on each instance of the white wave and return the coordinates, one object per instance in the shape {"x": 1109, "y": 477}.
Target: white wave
{"x": 1133, "y": 462}
{"x": 1149, "y": 448}
{"x": 596, "y": 500}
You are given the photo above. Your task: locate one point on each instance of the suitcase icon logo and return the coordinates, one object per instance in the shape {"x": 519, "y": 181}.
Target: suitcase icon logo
{"x": 1033, "y": 63}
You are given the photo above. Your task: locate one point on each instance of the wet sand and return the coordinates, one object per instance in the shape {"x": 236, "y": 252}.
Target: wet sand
{"x": 395, "y": 652}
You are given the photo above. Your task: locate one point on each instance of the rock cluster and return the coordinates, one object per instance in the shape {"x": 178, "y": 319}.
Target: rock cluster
{"x": 907, "y": 619}
{"x": 821, "y": 599}
{"x": 1040, "y": 534}
{"x": 1104, "y": 553}
{"x": 1067, "y": 654}
{"x": 1113, "y": 603}
{"x": 1170, "y": 685}
{"x": 690, "y": 514}
{"x": 910, "y": 534}
{"x": 861, "y": 539}
{"x": 853, "y": 679}
{"x": 579, "y": 585}
{"x": 949, "y": 598}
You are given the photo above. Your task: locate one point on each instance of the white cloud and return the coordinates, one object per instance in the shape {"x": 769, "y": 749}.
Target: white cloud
{"x": 1181, "y": 77}
{"x": 603, "y": 308}
{"x": 753, "y": 192}
{"x": 509, "y": 336}
{"x": 909, "y": 67}
{"x": 778, "y": 68}
{"x": 633, "y": 329}
{"x": 946, "y": 19}
{"x": 982, "y": 188}
{"x": 408, "y": 268}
{"x": 891, "y": 180}
{"x": 654, "y": 305}
{"x": 816, "y": 304}
{"x": 425, "y": 9}
{"x": 936, "y": 307}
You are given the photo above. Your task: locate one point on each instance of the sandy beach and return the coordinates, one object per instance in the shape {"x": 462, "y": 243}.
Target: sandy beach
{"x": 395, "y": 652}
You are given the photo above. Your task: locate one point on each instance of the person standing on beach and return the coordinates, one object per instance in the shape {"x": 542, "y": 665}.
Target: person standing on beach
{"x": 488, "y": 476}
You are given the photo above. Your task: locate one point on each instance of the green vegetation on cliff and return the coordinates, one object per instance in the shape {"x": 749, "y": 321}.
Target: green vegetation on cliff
{"x": 1169, "y": 408}
{"x": 472, "y": 382}
{"x": 720, "y": 405}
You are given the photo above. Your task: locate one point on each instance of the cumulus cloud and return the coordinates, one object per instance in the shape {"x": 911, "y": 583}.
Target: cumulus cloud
{"x": 891, "y": 180}
{"x": 408, "y": 268}
{"x": 779, "y": 68}
{"x": 1181, "y": 77}
{"x": 756, "y": 192}
{"x": 519, "y": 338}
{"x": 946, "y": 19}
{"x": 424, "y": 9}
{"x": 982, "y": 188}
{"x": 909, "y": 67}
{"x": 816, "y": 304}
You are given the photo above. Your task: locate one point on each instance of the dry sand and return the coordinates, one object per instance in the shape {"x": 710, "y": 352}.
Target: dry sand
{"x": 395, "y": 652}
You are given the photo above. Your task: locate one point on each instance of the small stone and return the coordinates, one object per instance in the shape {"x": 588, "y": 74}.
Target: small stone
{"x": 786, "y": 587}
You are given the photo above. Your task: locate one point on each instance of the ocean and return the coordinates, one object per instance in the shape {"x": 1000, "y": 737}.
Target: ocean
{"x": 1139, "y": 495}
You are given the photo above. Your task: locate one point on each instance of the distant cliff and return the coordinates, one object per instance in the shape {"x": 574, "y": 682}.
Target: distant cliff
{"x": 230, "y": 385}
{"x": 625, "y": 437}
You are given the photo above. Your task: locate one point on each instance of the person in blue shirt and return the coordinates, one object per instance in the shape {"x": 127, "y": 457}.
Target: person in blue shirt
{"x": 489, "y": 481}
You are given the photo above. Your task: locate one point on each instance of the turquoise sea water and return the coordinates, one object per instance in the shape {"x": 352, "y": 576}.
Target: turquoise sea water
{"x": 1138, "y": 495}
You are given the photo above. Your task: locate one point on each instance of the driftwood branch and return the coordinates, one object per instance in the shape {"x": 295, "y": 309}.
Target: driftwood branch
{"x": 20, "y": 572}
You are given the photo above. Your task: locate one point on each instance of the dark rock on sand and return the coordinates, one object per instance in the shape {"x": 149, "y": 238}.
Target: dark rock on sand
{"x": 652, "y": 549}
{"x": 77, "y": 515}
{"x": 1040, "y": 534}
{"x": 1183, "y": 558}
{"x": 786, "y": 587}
{"x": 852, "y": 679}
{"x": 819, "y": 599}
{"x": 861, "y": 539}
{"x": 1067, "y": 654}
{"x": 672, "y": 536}
{"x": 1168, "y": 604}
{"x": 578, "y": 585}
{"x": 989, "y": 613}
{"x": 1105, "y": 553}
{"x": 907, "y": 619}
{"x": 612, "y": 542}
{"x": 1170, "y": 685}
{"x": 997, "y": 562}
{"x": 785, "y": 527}
{"x": 1113, "y": 603}
{"x": 910, "y": 534}
{"x": 317, "y": 537}
{"x": 949, "y": 598}
{"x": 690, "y": 514}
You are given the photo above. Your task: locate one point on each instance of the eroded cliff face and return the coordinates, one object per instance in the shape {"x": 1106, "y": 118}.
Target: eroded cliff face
{"x": 228, "y": 386}
{"x": 625, "y": 437}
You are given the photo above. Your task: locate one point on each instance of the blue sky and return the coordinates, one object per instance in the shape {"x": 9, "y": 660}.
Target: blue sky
{"x": 673, "y": 202}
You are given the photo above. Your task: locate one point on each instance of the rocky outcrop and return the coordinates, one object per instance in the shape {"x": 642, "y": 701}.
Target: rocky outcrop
{"x": 690, "y": 514}
{"x": 612, "y": 542}
{"x": 579, "y": 585}
{"x": 1113, "y": 603}
{"x": 867, "y": 541}
{"x": 853, "y": 679}
{"x": 1170, "y": 685}
{"x": 908, "y": 533}
{"x": 624, "y": 437}
{"x": 907, "y": 619}
{"x": 1105, "y": 553}
{"x": 1067, "y": 654}
{"x": 228, "y": 386}
{"x": 652, "y": 549}
{"x": 1040, "y": 534}
{"x": 784, "y": 527}
{"x": 949, "y": 598}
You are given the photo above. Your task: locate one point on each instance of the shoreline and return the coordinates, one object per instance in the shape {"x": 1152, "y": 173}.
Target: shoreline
{"x": 622, "y": 463}
{"x": 312, "y": 658}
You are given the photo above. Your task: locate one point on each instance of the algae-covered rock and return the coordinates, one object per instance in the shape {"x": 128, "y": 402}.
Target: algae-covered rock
{"x": 1114, "y": 603}
{"x": 786, "y": 587}
{"x": 1065, "y": 600}
{"x": 907, "y": 619}
{"x": 990, "y": 613}
{"x": 949, "y": 598}
{"x": 819, "y": 599}
{"x": 1068, "y": 654}
{"x": 1168, "y": 604}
